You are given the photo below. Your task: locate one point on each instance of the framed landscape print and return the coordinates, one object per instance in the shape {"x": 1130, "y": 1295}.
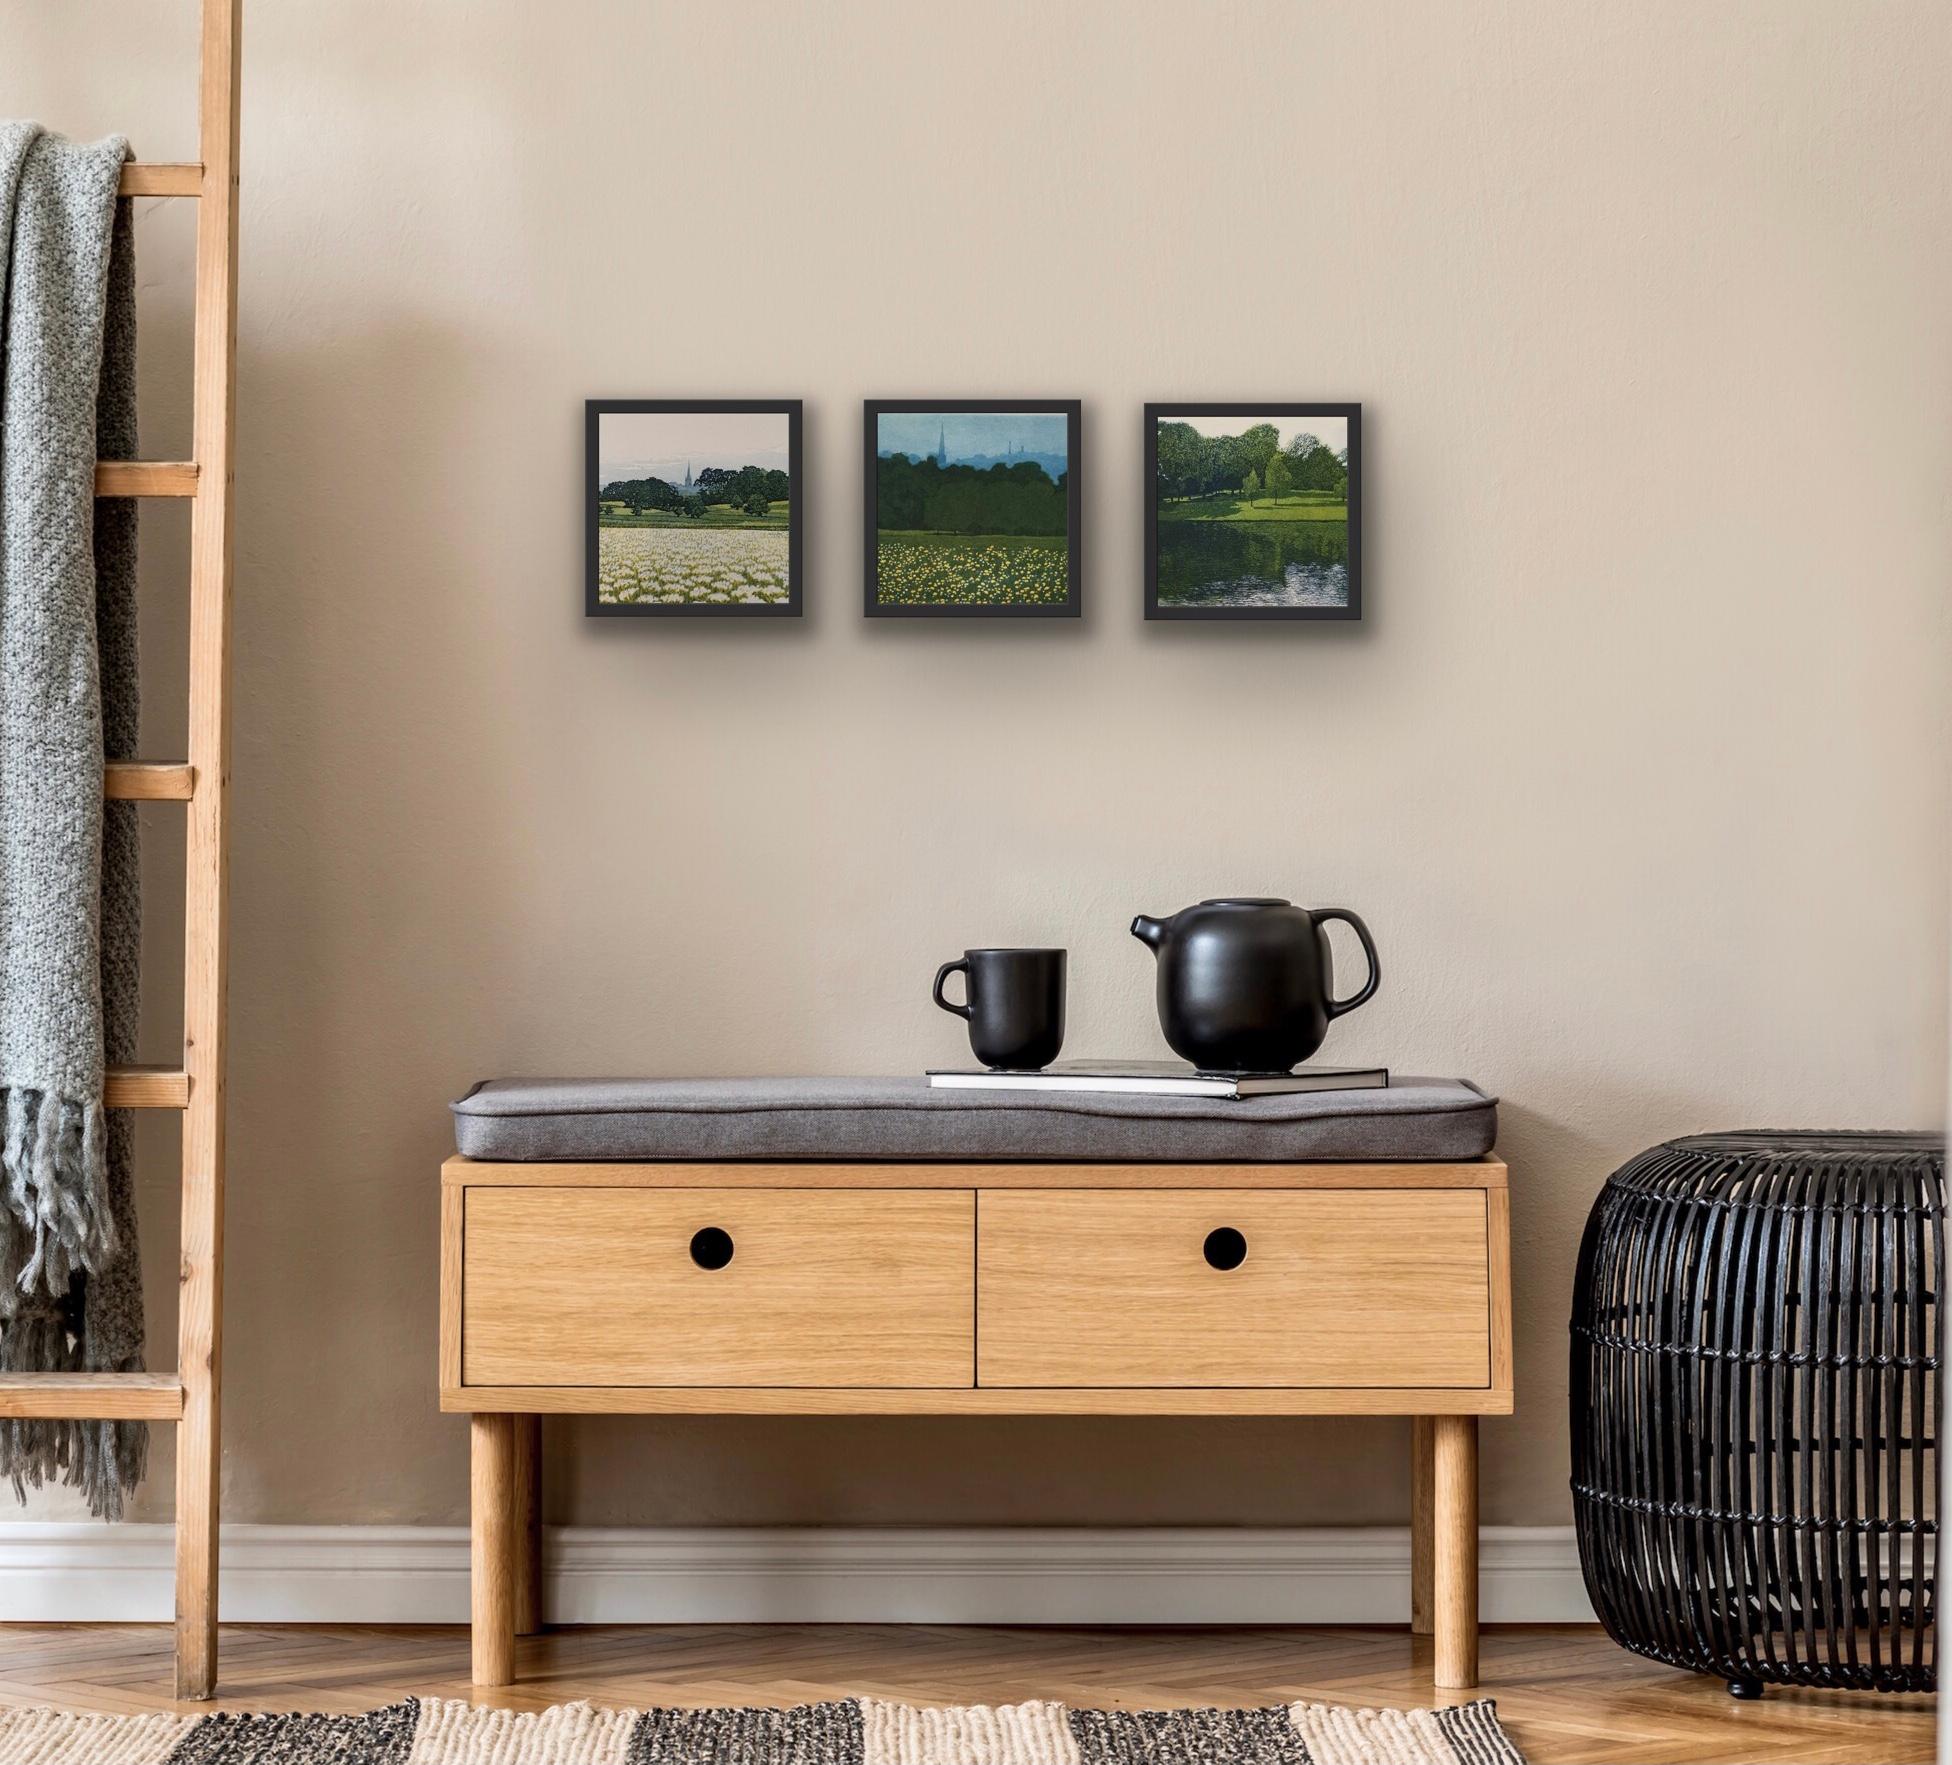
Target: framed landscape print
{"x": 972, "y": 508}
{"x": 1253, "y": 511}
{"x": 692, "y": 506}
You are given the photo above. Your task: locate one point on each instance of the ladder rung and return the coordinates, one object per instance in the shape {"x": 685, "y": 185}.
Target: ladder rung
{"x": 145, "y": 477}
{"x": 147, "y": 1087}
{"x": 151, "y": 1397}
{"x": 159, "y": 178}
{"x": 149, "y": 781}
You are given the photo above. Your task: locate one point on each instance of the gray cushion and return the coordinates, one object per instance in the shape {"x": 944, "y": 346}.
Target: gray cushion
{"x": 592, "y": 1120}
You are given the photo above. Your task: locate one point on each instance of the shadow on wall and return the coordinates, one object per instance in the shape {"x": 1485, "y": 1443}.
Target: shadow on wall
{"x": 378, "y": 877}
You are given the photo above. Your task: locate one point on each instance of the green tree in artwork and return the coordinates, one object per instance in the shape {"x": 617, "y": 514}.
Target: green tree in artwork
{"x": 1279, "y": 480}
{"x": 1259, "y": 445}
{"x": 639, "y": 494}
{"x": 1250, "y": 486}
{"x": 1185, "y": 458}
{"x": 1318, "y": 469}
{"x": 756, "y": 504}
{"x": 925, "y": 497}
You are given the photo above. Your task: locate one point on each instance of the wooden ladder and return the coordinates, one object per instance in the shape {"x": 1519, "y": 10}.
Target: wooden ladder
{"x": 188, "y": 1397}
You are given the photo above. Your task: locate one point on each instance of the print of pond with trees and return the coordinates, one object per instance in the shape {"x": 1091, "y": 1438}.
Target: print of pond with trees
{"x": 1246, "y": 520}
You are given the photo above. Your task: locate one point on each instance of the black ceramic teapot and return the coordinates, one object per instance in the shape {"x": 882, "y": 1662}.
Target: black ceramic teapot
{"x": 1244, "y": 985}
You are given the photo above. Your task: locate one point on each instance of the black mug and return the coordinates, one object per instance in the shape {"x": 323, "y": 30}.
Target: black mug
{"x": 1015, "y": 1005}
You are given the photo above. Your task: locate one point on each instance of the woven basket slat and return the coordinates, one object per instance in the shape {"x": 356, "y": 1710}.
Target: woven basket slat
{"x": 1754, "y": 1398}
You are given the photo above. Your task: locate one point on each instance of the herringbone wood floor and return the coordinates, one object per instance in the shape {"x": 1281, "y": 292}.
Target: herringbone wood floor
{"x": 1566, "y": 1693}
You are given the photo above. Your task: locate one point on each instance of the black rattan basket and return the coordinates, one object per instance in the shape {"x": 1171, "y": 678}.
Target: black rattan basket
{"x": 1755, "y": 1405}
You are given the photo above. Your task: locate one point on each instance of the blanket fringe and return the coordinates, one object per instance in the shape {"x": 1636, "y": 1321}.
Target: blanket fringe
{"x": 103, "y": 1459}
{"x": 54, "y": 1162}
{"x": 59, "y": 1228}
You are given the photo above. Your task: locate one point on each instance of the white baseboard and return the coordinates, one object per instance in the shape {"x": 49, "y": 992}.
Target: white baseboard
{"x": 64, "y": 1571}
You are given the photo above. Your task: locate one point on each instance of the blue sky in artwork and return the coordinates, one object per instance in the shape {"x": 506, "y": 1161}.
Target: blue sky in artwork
{"x": 970, "y": 433}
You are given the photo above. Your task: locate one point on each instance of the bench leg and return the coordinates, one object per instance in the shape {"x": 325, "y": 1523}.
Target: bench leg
{"x": 528, "y": 1525}
{"x": 1422, "y": 1516}
{"x": 1454, "y": 1576}
{"x": 493, "y": 1492}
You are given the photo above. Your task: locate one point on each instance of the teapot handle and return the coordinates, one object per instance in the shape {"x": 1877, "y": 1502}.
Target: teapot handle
{"x": 1336, "y": 1007}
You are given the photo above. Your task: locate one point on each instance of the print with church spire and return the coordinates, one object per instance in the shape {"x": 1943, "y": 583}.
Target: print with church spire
{"x": 693, "y": 507}
{"x": 972, "y": 508}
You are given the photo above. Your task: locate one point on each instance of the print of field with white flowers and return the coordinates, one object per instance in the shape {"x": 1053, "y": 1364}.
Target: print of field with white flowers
{"x": 986, "y": 570}
{"x": 691, "y": 564}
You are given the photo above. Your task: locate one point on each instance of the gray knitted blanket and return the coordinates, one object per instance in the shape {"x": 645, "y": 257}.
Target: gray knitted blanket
{"x": 70, "y": 911}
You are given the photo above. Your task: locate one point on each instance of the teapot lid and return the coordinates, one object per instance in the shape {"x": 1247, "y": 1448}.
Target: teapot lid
{"x": 1247, "y": 901}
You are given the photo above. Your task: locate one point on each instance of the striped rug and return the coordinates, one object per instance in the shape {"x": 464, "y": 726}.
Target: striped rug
{"x": 859, "y": 1731}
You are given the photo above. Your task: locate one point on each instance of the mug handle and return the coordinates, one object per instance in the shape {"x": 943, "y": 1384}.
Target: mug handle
{"x": 941, "y": 975}
{"x": 1336, "y": 1007}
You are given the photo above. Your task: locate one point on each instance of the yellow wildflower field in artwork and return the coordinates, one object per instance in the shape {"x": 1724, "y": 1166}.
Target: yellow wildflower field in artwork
{"x": 947, "y": 570}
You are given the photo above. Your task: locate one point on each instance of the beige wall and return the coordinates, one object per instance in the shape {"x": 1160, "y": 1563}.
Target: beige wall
{"x": 1634, "y": 767}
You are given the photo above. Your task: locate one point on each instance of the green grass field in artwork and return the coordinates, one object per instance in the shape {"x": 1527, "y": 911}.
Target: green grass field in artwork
{"x": 716, "y": 515}
{"x": 981, "y": 570}
{"x": 1230, "y": 505}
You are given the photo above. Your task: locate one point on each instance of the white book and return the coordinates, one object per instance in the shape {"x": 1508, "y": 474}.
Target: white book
{"x": 1162, "y": 1078}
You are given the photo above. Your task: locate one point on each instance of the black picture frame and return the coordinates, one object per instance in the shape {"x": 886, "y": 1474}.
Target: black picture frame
{"x": 595, "y": 409}
{"x": 1071, "y": 409}
{"x": 1154, "y": 413}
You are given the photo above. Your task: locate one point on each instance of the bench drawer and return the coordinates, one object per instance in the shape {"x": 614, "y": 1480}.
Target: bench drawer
{"x": 837, "y": 1287}
{"x": 1343, "y": 1288}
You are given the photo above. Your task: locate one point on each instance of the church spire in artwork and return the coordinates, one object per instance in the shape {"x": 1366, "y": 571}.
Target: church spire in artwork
{"x": 942, "y": 446}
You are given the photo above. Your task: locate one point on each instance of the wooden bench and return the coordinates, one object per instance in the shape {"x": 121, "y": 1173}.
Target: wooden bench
{"x": 987, "y": 1288}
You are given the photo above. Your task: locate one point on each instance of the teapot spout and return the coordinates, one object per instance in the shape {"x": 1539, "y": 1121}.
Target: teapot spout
{"x": 1149, "y": 932}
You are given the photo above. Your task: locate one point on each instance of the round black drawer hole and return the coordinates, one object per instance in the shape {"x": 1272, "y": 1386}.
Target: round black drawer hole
{"x": 711, "y": 1247}
{"x": 1225, "y": 1248}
